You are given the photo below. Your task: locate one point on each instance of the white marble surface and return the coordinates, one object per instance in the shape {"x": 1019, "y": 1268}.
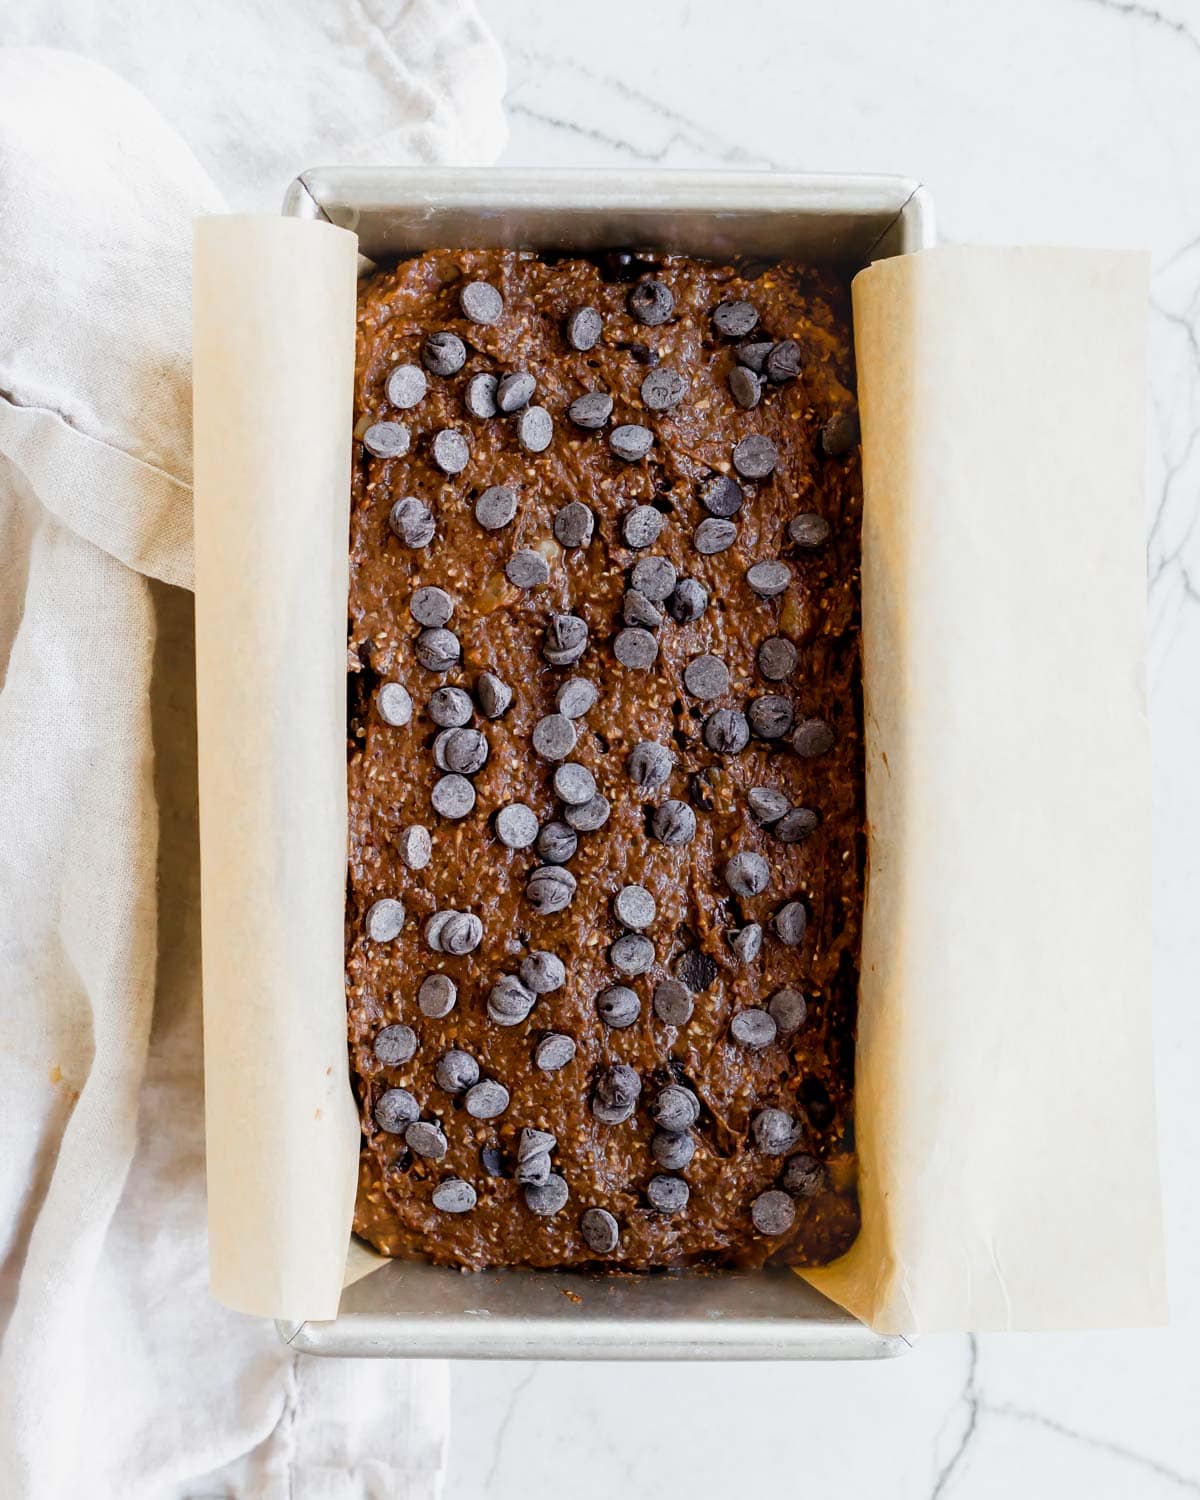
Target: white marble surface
{"x": 1067, "y": 121}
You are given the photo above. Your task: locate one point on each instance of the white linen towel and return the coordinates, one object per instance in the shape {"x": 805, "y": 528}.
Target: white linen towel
{"x": 119, "y": 1376}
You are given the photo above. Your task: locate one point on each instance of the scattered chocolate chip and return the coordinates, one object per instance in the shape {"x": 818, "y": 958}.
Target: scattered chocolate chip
{"x": 620, "y": 265}
{"x": 706, "y": 677}
{"x": 455, "y": 1071}
{"x": 673, "y": 1002}
{"x": 590, "y": 815}
{"x": 547, "y": 1198}
{"x": 437, "y": 996}
{"x": 744, "y": 387}
{"x": 425, "y": 1139}
{"x": 653, "y": 576}
{"x": 755, "y": 456}
{"x": 674, "y": 824}
{"x": 550, "y": 889}
{"x": 406, "y": 386}
{"x": 415, "y": 846}
{"x": 616, "y": 1094}
{"x": 635, "y": 907}
{"x": 443, "y": 354}
{"x": 452, "y": 796}
{"x": 669, "y": 1195}
{"x": 574, "y": 524}
{"x": 557, "y": 843}
{"x": 727, "y": 731}
{"x": 450, "y": 708}
{"x": 689, "y": 601}
{"x": 433, "y": 928}
{"x": 788, "y": 1009}
{"x": 808, "y": 530}
{"x": 496, "y": 507}
{"x": 566, "y": 640}
{"x": 527, "y": 569}
{"x": 642, "y": 525}
{"x": 618, "y": 1006}
{"x": 734, "y": 320}
{"x": 775, "y": 1131}
{"x": 770, "y": 717}
{"x": 554, "y": 1051}
{"x": 584, "y": 327}
{"x": 412, "y": 523}
{"x": 769, "y": 579}
{"x": 516, "y": 825}
{"x": 395, "y": 1110}
{"x": 651, "y": 302}
{"x": 386, "y": 439}
{"x": 576, "y": 696}
{"x": 803, "y": 1176}
{"x": 714, "y": 535}
{"x": 532, "y": 1143}
{"x": 393, "y": 704}
{"x": 438, "y": 650}
{"x": 813, "y": 737}
{"x": 465, "y": 751}
{"x": 695, "y": 969}
{"x": 573, "y": 783}
{"x": 747, "y": 874}
{"x": 599, "y": 1230}
{"x": 767, "y": 805}
{"x": 754, "y": 355}
{"x": 491, "y": 1159}
{"x": 638, "y": 610}
{"x": 395, "y": 1045}
{"x": 431, "y": 606}
{"x": 721, "y": 496}
{"x": 451, "y": 451}
{"x": 663, "y": 388}
{"x": 481, "y": 302}
{"x": 649, "y": 765}
{"x": 753, "y": 1028}
{"x": 635, "y": 648}
{"x": 700, "y": 789}
{"x": 553, "y": 737}
{"x": 453, "y": 1196}
{"x": 480, "y": 397}
{"x": 591, "y": 410}
{"x": 534, "y": 1170}
{"x": 462, "y": 933}
{"x": 543, "y": 972}
{"x": 676, "y": 1108}
{"x": 672, "y": 1150}
{"x": 839, "y": 434}
{"x": 773, "y": 1212}
{"x": 630, "y": 441}
{"x": 644, "y": 355}
{"x": 632, "y": 954}
{"x": 384, "y": 920}
{"x": 747, "y": 943}
{"x": 784, "y": 362}
{"x": 777, "y": 658}
{"x": 515, "y": 391}
{"x": 790, "y": 922}
{"x": 535, "y": 429}
{"x": 487, "y": 1100}
{"x": 795, "y": 826}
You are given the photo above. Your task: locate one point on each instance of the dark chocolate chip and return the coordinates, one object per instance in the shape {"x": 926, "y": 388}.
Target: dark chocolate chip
{"x": 573, "y": 783}
{"x": 491, "y": 1159}
{"x": 480, "y": 398}
{"x": 632, "y": 954}
{"x": 635, "y": 648}
{"x": 676, "y": 1108}
{"x": 663, "y": 388}
{"x": 451, "y": 451}
{"x": 651, "y": 302}
{"x": 630, "y": 441}
{"x": 535, "y": 429}
{"x": 492, "y": 694}
{"x": 620, "y": 265}
{"x": 744, "y": 387}
{"x": 527, "y": 569}
{"x": 386, "y": 439}
{"x": 618, "y": 1006}
{"x": 616, "y": 1094}
{"x": 584, "y": 327}
{"x": 574, "y": 524}
{"x": 790, "y": 922}
{"x": 437, "y": 996}
{"x": 543, "y": 972}
{"x": 669, "y": 1195}
{"x": 747, "y": 943}
{"x": 591, "y": 410}
{"x": 700, "y": 788}
{"x": 395, "y": 1110}
{"x": 411, "y": 522}
{"x": 548, "y": 1197}
{"x": 576, "y": 696}
{"x": 426, "y": 1139}
{"x": 557, "y": 843}
{"x": 515, "y": 391}
{"x": 496, "y": 507}
{"x": 638, "y": 610}
{"x": 406, "y": 385}
{"x": 649, "y": 765}
{"x": 566, "y": 640}
{"x": 433, "y": 928}
{"x": 775, "y": 1131}
{"x": 438, "y": 650}
{"x": 644, "y": 355}
{"x": 695, "y": 969}
{"x": 487, "y": 1100}
{"x": 755, "y": 456}
{"x": 534, "y": 1170}
{"x": 754, "y": 355}
{"x": 721, "y": 496}
{"x": 444, "y": 354}
{"x": 784, "y": 361}
{"x": 767, "y": 805}
{"x": 747, "y": 874}
{"x": 384, "y": 920}
{"x": 727, "y": 731}
{"x": 714, "y": 535}
{"x": 600, "y": 1231}
{"x": 773, "y": 1212}
{"x": 534, "y": 1143}
{"x": 770, "y": 717}
{"x": 769, "y": 579}
{"x": 450, "y": 708}
{"x": 689, "y": 601}
{"x": 466, "y": 751}
{"x": 789, "y": 1010}
{"x": 839, "y": 434}
{"x": 674, "y": 824}
{"x": 553, "y": 737}
{"x": 516, "y": 825}
{"x": 462, "y": 933}
{"x": 734, "y": 320}
{"x": 453, "y": 1196}
{"x": 481, "y": 302}
{"x": 635, "y": 907}
{"x": 415, "y": 846}
{"x": 794, "y": 827}
{"x": 452, "y": 796}
{"x": 553, "y": 1052}
{"x": 813, "y": 737}
{"x": 431, "y": 606}
{"x": 753, "y": 1028}
{"x": 550, "y": 889}
{"x": 642, "y": 525}
{"x": 455, "y": 1071}
{"x": 673, "y": 1002}
{"x": 395, "y": 1045}
{"x": 808, "y": 530}
{"x": 777, "y": 658}
{"x": 803, "y": 1176}
{"x": 393, "y": 704}
{"x": 706, "y": 677}
{"x": 671, "y": 1150}
{"x": 590, "y": 815}
{"x": 653, "y": 576}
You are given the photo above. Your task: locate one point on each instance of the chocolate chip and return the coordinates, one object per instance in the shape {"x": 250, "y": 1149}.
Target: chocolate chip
{"x": 451, "y": 451}
{"x": 638, "y": 610}
{"x": 450, "y": 708}
{"x": 773, "y": 1212}
{"x": 386, "y": 439}
{"x": 744, "y": 387}
{"x": 554, "y": 737}
{"x": 813, "y": 737}
{"x": 700, "y": 788}
{"x": 574, "y": 524}
{"x": 651, "y": 302}
{"x": 491, "y": 1159}
{"x": 721, "y": 496}
{"x": 839, "y": 434}
{"x": 635, "y": 907}
{"x": 784, "y": 361}
{"x": 462, "y": 933}
{"x": 480, "y": 398}
{"x": 437, "y": 996}
{"x": 393, "y": 704}
{"x": 777, "y": 658}
{"x": 754, "y": 355}
{"x": 584, "y": 327}
{"x": 492, "y": 694}
{"x": 644, "y": 354}
{"x": 439, "y": 750}
{"x": 516, "y": 825}
{"x": 714, "y": 535}
{"x": 753, "y": 1028}
{"x": 635, "y": 648}
{"x": 466, "y": 751}
{"x": 481, "y": 302}
{"x": 550, "y": 889}
{"x": 775, "y": 1131}
{"x": 425, "y": 1139}
{"x": 794, "y": 827}
{"x": 384, "y": 920}
{"x": 747, "y": 874}
{"x": 444, "y": 354}
{"x": 589, "y": 815}
{"x": 591, "y": 410}
{"x": 543, "y": 972}
{"x": 767, "y": 805}
{"x": 554, "y": 1051}
{"x": 706, "y": 677}
{"x": 747, "y": 943}
{"x": 672, "y": 1150}
{"x": 695, "y": 969}
{"x": 663, "y": 388}
{"x": 557, "y": 843}
{"x": 395, "y": 1045}
{"x": 769, "y": 579}
{"x": 770, "y": 717}
{"x": 674, "y": 824}
{"x": 575, "y": 697}
{"x": 535, "y": 429}
{"x": 574, "y": 783}
{"x": 726, "y": 731}
{"x": 455, "y": 1071}
{"x": 496, "y": 507}
{"x": 395, "y": 1110}
{"x": 527, "y": 569}
{"x": 755, "y": 456}
{"x": 689, "y": 601}
{"x": 630, "y": 441}
{"x": 431, "y": 606}
{"x": 433, "y": 928}
{"x": 673, "y": 1002}
{"x": 669, "y": 1195}
{"x": 616, "y": 1094}
{"x": 790, "y": 922}
{"x": 789, "y": 1010}
{"x": 642, "y": 525}
{"x": 415, "y": 846}
{"x": 653, "y": 576}
{"x": 676, "y": 1108}
{"x": 515, "y": 391}
{"x": 534, "y": 1169}
{"x": 406, "y": 385}
{"x": 412, "y": 523}
{"x": 452, "y": 796}
{"x": 649, "y": 765}
{"x": 618, "y": 1006}
{"x": 548, "y": 1197}
{"x": 566, "y": 640}
{"x": 600, "y": 1231}
{"x": 808, "y": 530}
{"x": 632, "y": 954}
{"x": 532, "y": 1143}
{"x": 734, "y": 320}
{"x": 453, "y": 1196}
{"x": 438, "y": 650}
{"x": 487, "y": 1100}
{"x": 803, "y": 1176}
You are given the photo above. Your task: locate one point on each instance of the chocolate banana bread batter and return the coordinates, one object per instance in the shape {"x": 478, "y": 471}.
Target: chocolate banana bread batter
{"x": 605, "y": 761}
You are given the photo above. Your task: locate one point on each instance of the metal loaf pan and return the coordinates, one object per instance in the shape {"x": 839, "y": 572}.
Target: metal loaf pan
{"x": 408, "y": 1309}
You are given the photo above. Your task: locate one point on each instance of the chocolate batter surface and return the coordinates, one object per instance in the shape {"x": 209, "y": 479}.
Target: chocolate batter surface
{"x": 501, "y": 627}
